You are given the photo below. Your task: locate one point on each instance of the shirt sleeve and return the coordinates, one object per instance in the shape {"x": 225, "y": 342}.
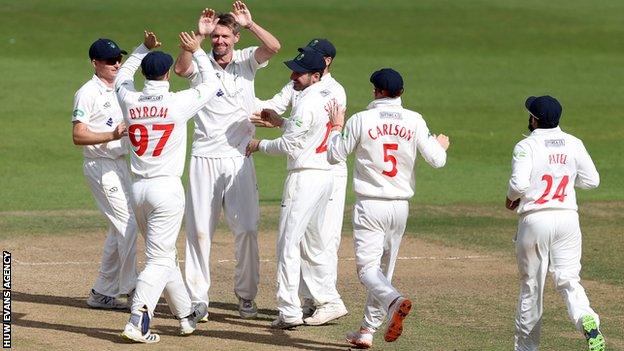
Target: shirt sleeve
{"x": 190, "y": 101}
{"x": 248, "y": 55}
{"x": 124, "y": 82}
{"x": 339, "y": 146}
{"x": 83, "y": 106}
{"x": 280, "y": 101}
{"x": 587, "y": 176}
{"x": 521, "y": 167}
{"x": 294, "y": 130}
{"x": 429, "y": 147}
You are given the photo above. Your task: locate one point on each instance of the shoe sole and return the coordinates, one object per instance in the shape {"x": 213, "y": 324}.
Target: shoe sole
{"x": 395, "y": 324}
{"x": 326, "y": 321}
{"x": 597, "y": 343}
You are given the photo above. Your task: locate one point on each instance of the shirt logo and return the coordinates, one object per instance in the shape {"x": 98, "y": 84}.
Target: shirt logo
{"x": 392, "y": 115}
{"x": 107, "y": 104}
{"x": 554, "y": 142}
{"x": 150, "y": 98}
{"x": 325, "y": 92}
{"x": 78, "y": 113}
{"x": 109, "y": 122}
{"x": 220, "y": 93}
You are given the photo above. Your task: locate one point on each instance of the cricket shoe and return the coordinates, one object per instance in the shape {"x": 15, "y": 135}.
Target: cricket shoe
{"x": 137, "y": 329}
{"x": 97, "y": 300}
{"x": 280, "y": 323}
{"x": 326, "y": 313}
{"x": 188, "y": 324}
{"x": 308, "y": 307}
{"x": 595, "y": 340}
{"x": 361, "y": 339}
{"x": 399, "y": 309}
{"x": 247, "y": 308}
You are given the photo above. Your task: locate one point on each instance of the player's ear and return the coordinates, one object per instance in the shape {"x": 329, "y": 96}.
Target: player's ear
{"x": 236, "y": 37}
{"x": 93, "y": 63}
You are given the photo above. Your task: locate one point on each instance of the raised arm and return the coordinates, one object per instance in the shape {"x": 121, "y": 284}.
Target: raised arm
{"x": 205, "y": 25}
{"x": 339, "y": 146}
{"x": 270, "y": 45}
{"x": 124, "y": 82}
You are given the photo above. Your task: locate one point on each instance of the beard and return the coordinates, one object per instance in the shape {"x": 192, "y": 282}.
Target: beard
{"x": 531, "y": 129}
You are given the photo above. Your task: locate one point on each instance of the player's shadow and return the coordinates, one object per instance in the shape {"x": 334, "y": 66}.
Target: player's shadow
{"x": 77, "y": 302}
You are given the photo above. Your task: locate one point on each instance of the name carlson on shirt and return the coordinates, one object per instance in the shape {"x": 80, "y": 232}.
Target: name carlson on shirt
{"x": 391, "y": 129}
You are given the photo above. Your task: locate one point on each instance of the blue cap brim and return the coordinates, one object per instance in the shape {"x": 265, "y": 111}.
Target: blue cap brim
{"x": 529, "y": 101}
{"x": 295, "y": 67}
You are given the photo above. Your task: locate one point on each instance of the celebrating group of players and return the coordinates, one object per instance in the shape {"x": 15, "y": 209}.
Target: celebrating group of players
{"x": 111, "y": 119}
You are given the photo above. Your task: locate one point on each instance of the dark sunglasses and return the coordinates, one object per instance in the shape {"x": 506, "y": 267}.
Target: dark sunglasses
{"x": 113, "y": 61}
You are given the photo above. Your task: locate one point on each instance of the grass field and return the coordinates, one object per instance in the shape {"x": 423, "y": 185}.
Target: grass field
{"x": 468, "y": 66}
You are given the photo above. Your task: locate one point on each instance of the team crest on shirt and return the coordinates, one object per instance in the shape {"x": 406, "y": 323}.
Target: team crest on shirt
{"x": 78, "y": 113}
{"x": 325, "y": 92}
{"x": 220, "y": 93}
{"x": 107, "y": 104}
{"x": 109, "y": 122}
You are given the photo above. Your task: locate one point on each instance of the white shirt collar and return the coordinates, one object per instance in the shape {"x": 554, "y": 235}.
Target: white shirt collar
{"x": 384, "y": 102}
{"x": 155, "y": 87}
{"x": 540, "y": 131}
{"x": 101, "y": 85}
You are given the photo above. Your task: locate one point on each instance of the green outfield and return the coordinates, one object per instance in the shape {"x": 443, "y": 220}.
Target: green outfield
{"x": 468, "y": 66}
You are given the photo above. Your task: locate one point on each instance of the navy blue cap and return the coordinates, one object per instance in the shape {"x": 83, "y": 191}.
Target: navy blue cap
{"x": 307, "y": 61}
{"x": 387, "y": 79}
{"x": 103, "y": 49}
{"x": 324, "y": 46}
{"x": 155, "y": 64}
{"x": 546, "y": 109}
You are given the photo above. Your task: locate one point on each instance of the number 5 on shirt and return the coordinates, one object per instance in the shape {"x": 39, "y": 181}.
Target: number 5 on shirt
{"x": 390, "y": 158}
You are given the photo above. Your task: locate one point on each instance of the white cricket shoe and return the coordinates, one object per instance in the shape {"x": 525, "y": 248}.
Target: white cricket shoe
{"x": 362, "y": 338}
{"x": 397, "y": 312}
{"x": 280, "y": 323}
{"x": 132, "y": 333}
{"x": 247, "y": 308}
{"x": 326, "y": 313}
{"x": 97, "y": 300}
{"x": 188, "y": 324}
{"x": 308, "y": 307}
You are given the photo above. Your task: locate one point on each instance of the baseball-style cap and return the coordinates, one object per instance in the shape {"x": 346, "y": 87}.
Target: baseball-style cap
{"x": 387, "y": 79}
{"x": 307, "y": 61}
{"x": 324, "y": 46}
{"x": 103, "y": 49}
{"x": 155, "y": 64}
{"x": 546, "y": 109}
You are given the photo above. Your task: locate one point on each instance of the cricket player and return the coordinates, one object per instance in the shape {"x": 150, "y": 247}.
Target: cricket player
{"x": 327, "y": 310}
{"x": 301, "y": 244}
{"x": 98, "y": 126}
{"x": 386, "y": 139}
{"x": 221, "y": 177}
{"x": 156, "y": 120}
{"x": 545, "y": 168}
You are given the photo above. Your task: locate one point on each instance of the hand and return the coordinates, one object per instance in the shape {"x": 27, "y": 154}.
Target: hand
{"x": 151, "y": 41}
{"x": 511, "y": 205}
{"x": 443, "y": 140}
{"x": 188, "y": 42}
{"x": 207, "y": 22}
{"x": 266, "y": 118}
{"x": 120, "y": 131}
{"x": 336, "y": 114}
{"x": 253, "y": 146}
{"x": 241, "y": 14}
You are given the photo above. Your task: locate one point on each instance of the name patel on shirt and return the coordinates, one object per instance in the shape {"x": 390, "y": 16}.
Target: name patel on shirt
{"x": 561, "y": 159}
{"x": 148, "y": 112}
{"x": 391, "y": 129}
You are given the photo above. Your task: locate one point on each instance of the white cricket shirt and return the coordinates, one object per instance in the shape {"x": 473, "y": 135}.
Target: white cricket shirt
{"x": 545, "y": 168}
{"x": 156, "y": 117}
{"x": 222, "y": 127}
{"x": 304, "y": 140}
{"x": 288, "y": 96}
{"x": 96, "y": 105}
{"x": 386, "y": 139}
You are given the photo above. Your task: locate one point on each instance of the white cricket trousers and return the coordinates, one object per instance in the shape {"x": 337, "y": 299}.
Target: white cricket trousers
{"x": 228, "y": 183}
{"x": 159, "y": 208}
{"x": 303, "y": 250}
{"x": 332, "y": 225}
{"x": 109, "y": 181}
{"x": 378, "y": 226}
{"x": 548, "y": 240}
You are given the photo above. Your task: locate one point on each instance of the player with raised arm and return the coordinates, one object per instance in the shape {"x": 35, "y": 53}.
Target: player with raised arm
{"x": 98, "y": 126}
{"x": 545, "y": 168}
{"x": 301, "y": 245}
{"x": 156, "y": 120}
{"x": 220, "y": 176}
{"x": 317, "y": 312}
{"x": 386, "y": 139}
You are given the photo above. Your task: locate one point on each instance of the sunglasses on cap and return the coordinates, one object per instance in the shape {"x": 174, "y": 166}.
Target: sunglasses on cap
{"x": 113, "y": 61}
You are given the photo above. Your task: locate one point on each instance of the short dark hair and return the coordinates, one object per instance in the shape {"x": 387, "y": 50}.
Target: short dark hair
{"x": 227, "y": 20}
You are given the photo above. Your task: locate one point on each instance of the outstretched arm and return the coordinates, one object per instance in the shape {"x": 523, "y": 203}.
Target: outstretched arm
{"x": 124, "y": 81}
{"x": 206, "y": 24}
{"x": 270, "y": 45}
